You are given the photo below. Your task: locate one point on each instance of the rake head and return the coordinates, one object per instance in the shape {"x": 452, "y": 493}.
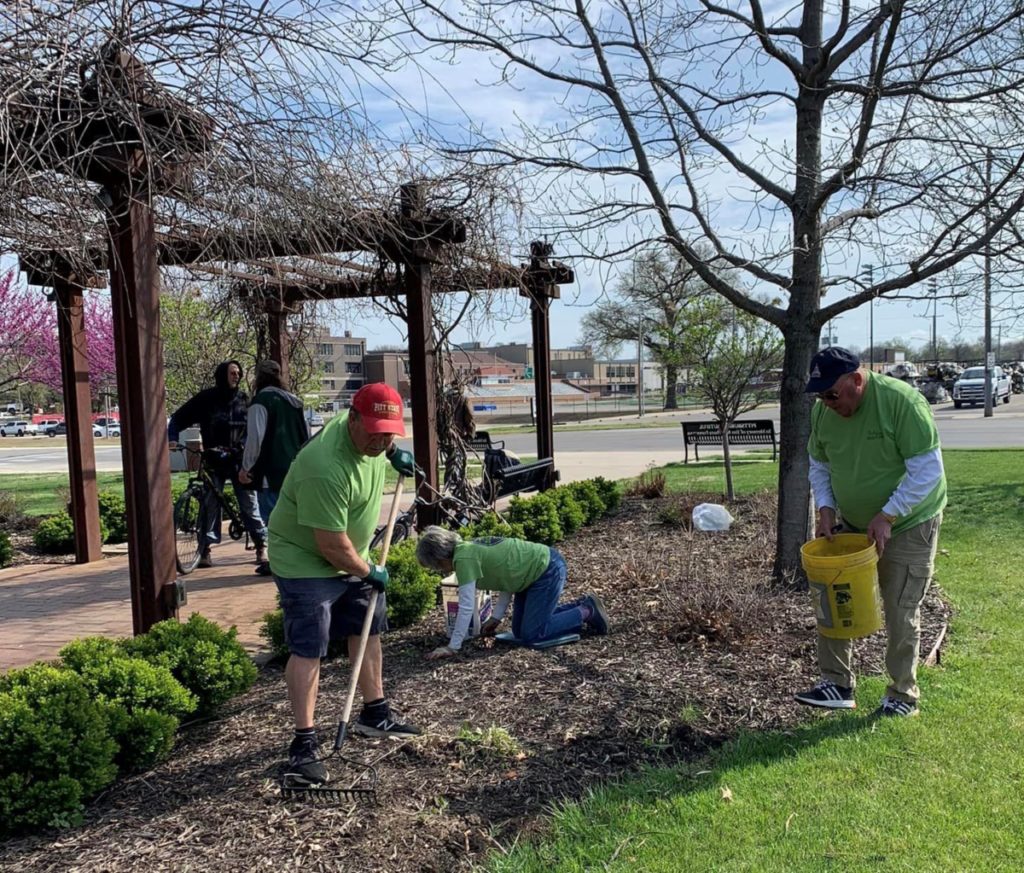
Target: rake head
{"x": 362, "y": 789}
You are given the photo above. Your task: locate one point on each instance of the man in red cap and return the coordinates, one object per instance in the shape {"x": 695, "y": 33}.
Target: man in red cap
{"x": 320, "y": 532}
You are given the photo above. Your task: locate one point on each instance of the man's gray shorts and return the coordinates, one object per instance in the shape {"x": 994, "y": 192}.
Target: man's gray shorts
{"x": 317, "y": 611}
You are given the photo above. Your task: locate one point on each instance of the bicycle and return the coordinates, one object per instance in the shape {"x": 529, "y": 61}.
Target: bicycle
{"x": 189, "y": 531}
{"x": 450, "y": 510}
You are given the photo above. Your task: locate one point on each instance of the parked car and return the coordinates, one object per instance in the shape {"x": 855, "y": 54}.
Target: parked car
{"x": 58, "y": 429}
{"x": 15, "y": 428}
{"x": 44, "y": 424}
{"x": 315, "y": 419}
{"x": 112, "y": 430}
{"x": 970, "y": 387}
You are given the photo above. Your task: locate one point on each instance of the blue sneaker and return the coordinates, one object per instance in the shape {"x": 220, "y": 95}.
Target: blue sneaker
{"x": 598, "y": 621}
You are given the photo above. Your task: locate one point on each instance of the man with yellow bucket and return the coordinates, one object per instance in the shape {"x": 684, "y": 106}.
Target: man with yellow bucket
{"x": 876, "y": 470}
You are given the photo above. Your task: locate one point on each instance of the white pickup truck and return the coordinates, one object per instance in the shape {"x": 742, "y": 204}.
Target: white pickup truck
{"x": 970, "y": 387}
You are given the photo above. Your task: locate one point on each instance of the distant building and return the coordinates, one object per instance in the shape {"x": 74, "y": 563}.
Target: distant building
{"x": 341, "y": 361}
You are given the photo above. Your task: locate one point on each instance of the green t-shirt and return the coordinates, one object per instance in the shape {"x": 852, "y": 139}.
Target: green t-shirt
{"x": 866, "y": 452}
{"x": 500, "y": 564}
{"x": 329, "y": 486}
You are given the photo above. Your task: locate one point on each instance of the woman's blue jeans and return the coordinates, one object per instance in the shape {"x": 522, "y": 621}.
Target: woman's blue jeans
{"x": 536, "y": 615}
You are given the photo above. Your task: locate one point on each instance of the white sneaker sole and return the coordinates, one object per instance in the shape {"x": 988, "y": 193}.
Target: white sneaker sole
{"x": 826, "y": 704}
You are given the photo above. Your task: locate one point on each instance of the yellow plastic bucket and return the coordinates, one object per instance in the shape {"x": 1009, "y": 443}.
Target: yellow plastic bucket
{"x": 843, "y": 577}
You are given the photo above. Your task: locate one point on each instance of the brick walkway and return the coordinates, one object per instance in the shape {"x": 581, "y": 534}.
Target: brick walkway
{"x": 43, "y": 606}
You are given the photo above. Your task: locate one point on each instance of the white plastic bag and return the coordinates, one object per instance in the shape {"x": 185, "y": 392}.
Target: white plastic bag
{"x": 711, "y": 516}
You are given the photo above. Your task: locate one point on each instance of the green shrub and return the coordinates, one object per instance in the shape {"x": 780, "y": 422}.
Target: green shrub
{"x": 56, "y": 534}
{"x": 412, "y": 591}
{"x": 570, "y": 513}
{"x": 491, "y": 525}
{"x": 55, "y": 749}
{"x": 203, "y": 657}
{"x": 588, "y": 496}
{"x": 6, "y": 549}
{"x": 144, "y": 701}
{"x": 538, "y": 517}
{"x": 610, "y": 493}
{"x": 114, "y": 515}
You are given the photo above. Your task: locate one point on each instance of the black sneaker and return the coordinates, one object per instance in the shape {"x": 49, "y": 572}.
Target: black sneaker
{"x": 598, "y": 620}
{"x": 893, "y": 707}
{"x": 205, "y": 560}
{"x": 827, "y": 695}
{"x": 263, "y": 569}
{"x": 376, "y": 724}
{"x": 304, "y": 764}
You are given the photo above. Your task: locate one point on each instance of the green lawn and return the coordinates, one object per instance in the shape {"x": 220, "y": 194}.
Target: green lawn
{"x": 936, "y": 793}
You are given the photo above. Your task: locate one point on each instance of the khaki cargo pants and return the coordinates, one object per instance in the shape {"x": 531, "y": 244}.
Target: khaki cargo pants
{"x": 904, "y": 573}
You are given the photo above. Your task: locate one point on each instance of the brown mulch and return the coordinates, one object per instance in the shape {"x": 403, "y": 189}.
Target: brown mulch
{"x": 700, "y": 650}
{"x": 24, "y": 550}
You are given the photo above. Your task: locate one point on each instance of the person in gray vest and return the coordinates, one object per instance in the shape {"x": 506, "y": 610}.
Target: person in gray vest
{"x": 276, "y": 430}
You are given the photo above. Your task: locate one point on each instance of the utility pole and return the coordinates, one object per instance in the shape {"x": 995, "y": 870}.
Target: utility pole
{"x": 870, "y": 270}
{"x": 935, "y": 318}
{"x": 989, "y": 361}
{"x": 640, "y": 370}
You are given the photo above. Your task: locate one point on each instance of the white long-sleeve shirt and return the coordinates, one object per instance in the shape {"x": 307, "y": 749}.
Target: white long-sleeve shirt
{"x": 467, "y": 605}
{"x": 923, "y": 474}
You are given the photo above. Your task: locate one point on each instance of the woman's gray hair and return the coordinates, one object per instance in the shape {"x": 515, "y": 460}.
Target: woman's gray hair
{"x": 436, "y": 545}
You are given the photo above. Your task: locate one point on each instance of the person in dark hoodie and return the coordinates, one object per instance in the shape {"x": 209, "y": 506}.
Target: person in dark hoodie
{"x": 220, "y": 413}
{"x": 275, "y": 431}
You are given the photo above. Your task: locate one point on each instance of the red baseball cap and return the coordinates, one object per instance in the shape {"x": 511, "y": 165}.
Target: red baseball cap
{"x": 380, "y": 408}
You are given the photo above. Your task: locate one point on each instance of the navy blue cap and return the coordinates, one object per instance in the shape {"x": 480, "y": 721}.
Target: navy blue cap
{"x": 828, "y": 365}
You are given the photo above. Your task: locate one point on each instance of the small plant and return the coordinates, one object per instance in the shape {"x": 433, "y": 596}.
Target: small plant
{"x": 610, "y": 493}
{"x": 114, "y": 515}
{"x": 55, "y": 749}
{"x": 673, "y": 515}
{"x": 56, "y": 534}
{"x": 272, "y": 632}
{"x": 538, "y": 517}
{"x": 207, "y": 660}
{"x": 412, "y": 591}
{"x": 144, "y": 701}
{"x": 10, "y": 509}
{"x": 589, "y": 497}
{"x": 570, "y": 513}
{"x": 491, "y": 525}
{"x": 494, "y": 741}
{"x": 6, "y": 549}
{"x": 649, "y": 485}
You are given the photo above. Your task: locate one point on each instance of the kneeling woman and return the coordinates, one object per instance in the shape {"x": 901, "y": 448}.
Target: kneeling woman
{"x": 531, "y": 573}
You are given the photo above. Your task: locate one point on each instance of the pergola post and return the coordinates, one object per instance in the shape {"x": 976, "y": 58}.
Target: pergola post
{"x": 277, "y": 335}
{"x": 135, "y": 298}
{"x": 74, "y": 364}
{"x": 422, "y": 359}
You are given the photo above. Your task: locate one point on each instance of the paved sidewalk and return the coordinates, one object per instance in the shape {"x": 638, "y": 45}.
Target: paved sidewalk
{"x": 43, "y": 606}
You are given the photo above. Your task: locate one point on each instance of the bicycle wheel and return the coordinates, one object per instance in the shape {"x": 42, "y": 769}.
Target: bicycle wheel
{"x": 403, "y": 529}
{"x": 236, "y": 530}
{"x": 187, "y": 530}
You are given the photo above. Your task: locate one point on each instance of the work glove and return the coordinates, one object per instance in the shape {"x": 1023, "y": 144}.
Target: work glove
{"x": 378, "y": 577}
{"x": 403, "y": 462}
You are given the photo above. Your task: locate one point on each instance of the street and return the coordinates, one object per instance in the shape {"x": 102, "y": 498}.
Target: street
{"x": 958, "y": 429}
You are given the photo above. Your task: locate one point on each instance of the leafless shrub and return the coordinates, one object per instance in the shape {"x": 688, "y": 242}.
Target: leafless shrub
{"x": 649, "y": 485}
{"x": 11, "y": 513}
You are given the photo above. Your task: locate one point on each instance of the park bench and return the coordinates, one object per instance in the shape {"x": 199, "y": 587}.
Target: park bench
{"x": 514, "y": 478}
{"x": 741, "y": 433}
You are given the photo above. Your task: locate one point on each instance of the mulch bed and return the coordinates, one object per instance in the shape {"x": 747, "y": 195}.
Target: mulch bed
{"x": 700, "y": 650}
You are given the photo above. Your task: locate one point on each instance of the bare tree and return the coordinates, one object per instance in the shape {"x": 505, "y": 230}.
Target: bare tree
{"x": 732, "y": 356}
{"x": 795, "y": 141}
{"x": 651, "y": 301}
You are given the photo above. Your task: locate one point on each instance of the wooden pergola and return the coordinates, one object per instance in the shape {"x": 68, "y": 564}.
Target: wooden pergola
{"x": 281, "y": 270}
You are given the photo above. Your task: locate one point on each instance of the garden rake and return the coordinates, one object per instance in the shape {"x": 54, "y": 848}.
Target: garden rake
{"x": 362, "y": 787}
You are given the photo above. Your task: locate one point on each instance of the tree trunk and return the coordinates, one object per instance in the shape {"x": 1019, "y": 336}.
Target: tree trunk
{"x": 730, "y": 491}
{"x": 671, "y": 377}
{"x": 794, "y": 431}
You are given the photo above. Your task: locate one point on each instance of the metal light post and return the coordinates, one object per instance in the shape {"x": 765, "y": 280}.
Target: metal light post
{"x": 870, "y": 270}
{"x": 989, "y": 358}
{"x": 935, "y": 318}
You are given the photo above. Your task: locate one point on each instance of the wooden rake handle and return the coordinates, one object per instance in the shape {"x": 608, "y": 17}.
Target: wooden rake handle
{"x": 371, "y": 607}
